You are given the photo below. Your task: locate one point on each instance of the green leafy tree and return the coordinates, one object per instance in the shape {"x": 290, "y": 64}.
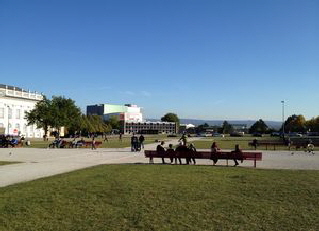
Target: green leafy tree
{"x": 295, "y": 123}
{"x": 65, "y": 112}
{"x": 202, "y": 127}
{"x": 226, "y": 128}
{"x": 41, "y": 115}
{"x": 114, "y": 122}
{"x": 56, "y": 113}
{"x": 259, "y": 126}
{"x": 171, "y": 117}
{"x": 313, "y": 124}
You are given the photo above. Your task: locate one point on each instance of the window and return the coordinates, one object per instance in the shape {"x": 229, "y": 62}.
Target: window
{"x": 1, "y": 113}
{"x": 17, "y": 126}
{"x": 18, "y": 111}
{"x": 1, "y": 125}
{"x": 9, "y": 113}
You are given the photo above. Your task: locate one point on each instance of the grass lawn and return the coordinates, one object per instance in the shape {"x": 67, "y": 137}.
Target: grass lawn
{"x": 157, "y": 197}
{"x": 229, "y": 143}
{"x": 113, "y": 141}
{"x": 8, "y": 162}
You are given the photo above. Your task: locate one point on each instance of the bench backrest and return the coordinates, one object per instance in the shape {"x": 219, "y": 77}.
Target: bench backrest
{"x": 207, "y": 155}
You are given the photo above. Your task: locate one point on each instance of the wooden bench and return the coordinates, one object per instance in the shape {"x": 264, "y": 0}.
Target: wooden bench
{"x": 221, "y": 155}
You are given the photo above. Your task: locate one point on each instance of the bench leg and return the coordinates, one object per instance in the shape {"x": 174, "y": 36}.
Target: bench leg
{"x": 255, "y": 164}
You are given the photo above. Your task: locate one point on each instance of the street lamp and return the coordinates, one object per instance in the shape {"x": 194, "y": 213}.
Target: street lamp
{"x": 8, "y": 120}
{"x": 283, "y": 119}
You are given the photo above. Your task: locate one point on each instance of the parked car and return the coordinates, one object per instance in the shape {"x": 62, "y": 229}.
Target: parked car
{"x": 257, "y": 134}
{"x": 275, "y": 134}
{"x": 218, "y": 135}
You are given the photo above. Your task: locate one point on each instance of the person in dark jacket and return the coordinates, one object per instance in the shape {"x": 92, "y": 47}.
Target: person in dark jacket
{"x": 161, "y": 150}
{"x": 237, "y": 155}
{"x": 192, "y": 153}
{"x": 141, "y": 140}
{"x": 214, "y": 149}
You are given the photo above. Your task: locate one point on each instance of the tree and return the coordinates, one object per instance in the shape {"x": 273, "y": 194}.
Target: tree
{"x": 41, "y": 115}
{"x": 202, "y": 127}
{"x": 65, "y": 112}
{"x": 295, "y": 123}
{"x": 226, "y": 128}
{"x": 259, "y": 126}
{"x": 114, "y": 122}
{"x": 170, "y": 117}
{"x": 56, "y": 113}
{"x": 313, "y": 124}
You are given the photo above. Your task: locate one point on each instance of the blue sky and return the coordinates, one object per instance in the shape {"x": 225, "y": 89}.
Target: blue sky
{"x": 214, "y": 59}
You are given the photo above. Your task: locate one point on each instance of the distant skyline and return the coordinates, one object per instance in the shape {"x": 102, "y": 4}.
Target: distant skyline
{"x": 213, "y": 60}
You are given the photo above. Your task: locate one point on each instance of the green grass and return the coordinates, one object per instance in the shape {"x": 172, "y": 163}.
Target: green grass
{"x": 8, "y": 162}
{"x": 157, "y": 197}
{"x": 113, "y": 141}
{"x": 229, "y": 143}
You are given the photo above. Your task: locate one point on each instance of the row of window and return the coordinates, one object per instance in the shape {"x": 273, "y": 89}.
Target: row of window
{"x": 17, "y": 126}
{"x": 17, "y": 113}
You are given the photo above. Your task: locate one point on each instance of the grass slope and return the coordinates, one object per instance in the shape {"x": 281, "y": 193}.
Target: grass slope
{"x": 156, "y": 197}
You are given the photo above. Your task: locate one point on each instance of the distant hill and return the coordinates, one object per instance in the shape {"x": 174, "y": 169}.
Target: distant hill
{"x": 270, "y": 124}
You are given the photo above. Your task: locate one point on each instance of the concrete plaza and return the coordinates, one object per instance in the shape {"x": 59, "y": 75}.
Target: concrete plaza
{"x": 38, "y": 163}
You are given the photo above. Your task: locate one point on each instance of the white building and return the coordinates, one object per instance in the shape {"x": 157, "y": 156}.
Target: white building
{"x": 127, "y": 112}
{"x": 14, "y": 102}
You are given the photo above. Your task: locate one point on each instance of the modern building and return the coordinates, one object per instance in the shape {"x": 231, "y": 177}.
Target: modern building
{"x": 149, "y": 127}
{"x": 131, "y": 119}
{"x": 14, "y": 103}
{"x": 127, "y": 112}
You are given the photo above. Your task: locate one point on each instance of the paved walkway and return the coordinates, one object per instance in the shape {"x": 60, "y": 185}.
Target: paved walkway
{"x": 38, "y": 163}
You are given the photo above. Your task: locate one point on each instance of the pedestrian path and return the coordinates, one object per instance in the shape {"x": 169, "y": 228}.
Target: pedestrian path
{"x": 38, "y": 163}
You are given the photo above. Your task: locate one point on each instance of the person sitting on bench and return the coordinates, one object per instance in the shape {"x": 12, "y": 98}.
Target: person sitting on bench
{"x": 214, "y": 149}
{"x": 161, "y": 150}
{"x": 171, "y": 153}
{"x": 237, "y": 154}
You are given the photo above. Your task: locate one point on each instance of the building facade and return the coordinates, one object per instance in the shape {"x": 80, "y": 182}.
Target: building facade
{"x": 14, "y": 103}
{"x": 127, "y": 112}
{"x": 131, "y": 119}
{"x": 130, "y": 127}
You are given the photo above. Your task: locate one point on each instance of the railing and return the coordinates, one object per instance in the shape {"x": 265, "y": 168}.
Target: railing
{"x": 22, "y": 94}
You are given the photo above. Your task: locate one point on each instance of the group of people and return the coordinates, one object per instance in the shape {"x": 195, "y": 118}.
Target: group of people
{"x": 10, "y": 141}
{"x": 182, "y": 151}
{"x": 189, "y": 152}
{"x": 137, "y": 143}
{"x": 236, "y": 154}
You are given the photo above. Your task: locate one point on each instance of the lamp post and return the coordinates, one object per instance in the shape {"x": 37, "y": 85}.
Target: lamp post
{"x": 283, "y": 119}
{"x": 8, "y": 120}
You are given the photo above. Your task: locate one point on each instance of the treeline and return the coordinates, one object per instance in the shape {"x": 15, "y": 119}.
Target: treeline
{"x": 61, "y": 112}
{"x": 294, "y": 123}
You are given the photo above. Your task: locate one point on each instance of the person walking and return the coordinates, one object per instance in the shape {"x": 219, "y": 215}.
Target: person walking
{"x": 141, "y": 140}
{"x": 192, "y": 153}
{"x": 93, "y": 143}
